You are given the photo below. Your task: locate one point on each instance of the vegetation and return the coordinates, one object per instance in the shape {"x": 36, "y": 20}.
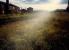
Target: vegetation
{"x": 58, "y": 32}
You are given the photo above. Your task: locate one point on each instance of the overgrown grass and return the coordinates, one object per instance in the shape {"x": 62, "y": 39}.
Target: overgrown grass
{"x": 4, "y": 19}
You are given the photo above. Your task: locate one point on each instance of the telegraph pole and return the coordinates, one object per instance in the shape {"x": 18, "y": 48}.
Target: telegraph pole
{"x": 7, "y": 7}
{"x": 67, "y": 7}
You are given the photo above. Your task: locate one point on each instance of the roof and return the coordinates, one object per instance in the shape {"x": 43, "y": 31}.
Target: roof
{"x": 9, "y": 4}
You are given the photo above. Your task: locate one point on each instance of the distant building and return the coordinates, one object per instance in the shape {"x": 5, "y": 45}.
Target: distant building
{"x": 30, "y": 9}
{"x": 23, "y": 11}
{"x": 12, "y": 8}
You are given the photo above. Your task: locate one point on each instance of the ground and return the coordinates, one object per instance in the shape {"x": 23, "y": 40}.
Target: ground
{"x": 35, "y": 31}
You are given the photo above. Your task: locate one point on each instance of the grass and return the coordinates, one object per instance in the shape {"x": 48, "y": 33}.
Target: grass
{"x": 4, "y": 19}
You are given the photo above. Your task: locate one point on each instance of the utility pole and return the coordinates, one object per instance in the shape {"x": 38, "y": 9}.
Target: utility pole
{"x": 7, "y": 7}
{"x": 67, "y": 7}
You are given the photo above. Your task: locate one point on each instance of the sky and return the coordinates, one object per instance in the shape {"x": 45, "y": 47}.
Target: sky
{"x": 40, "y": 4}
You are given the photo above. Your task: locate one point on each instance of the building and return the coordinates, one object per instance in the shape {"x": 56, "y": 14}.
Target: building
{"x": 30, "y": 9}
{"x": 2, "y": 7}
{"x": 23, "y": 11}
{"x": 12, "y": 8}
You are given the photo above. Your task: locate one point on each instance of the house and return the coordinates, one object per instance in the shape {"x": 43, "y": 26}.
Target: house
{"x": 23, "y": 11}
{"x": 12, "y": 8}
{"x": 30, "y": 9}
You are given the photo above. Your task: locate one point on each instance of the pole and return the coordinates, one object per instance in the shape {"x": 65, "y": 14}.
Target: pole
{"x": 7, "y": 7}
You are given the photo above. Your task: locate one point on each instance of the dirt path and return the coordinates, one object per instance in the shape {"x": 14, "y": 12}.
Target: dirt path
{"x": 24, "y": 32}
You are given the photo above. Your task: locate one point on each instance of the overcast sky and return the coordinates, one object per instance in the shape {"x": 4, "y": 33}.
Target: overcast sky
{"x": 40, "y": 4}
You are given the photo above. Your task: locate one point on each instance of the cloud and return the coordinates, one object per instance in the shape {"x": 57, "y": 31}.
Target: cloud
{"x": 47, "y": 7}
{"x": 64, "y": 1}
{"x": 3, "y": 0}
{"x": 40, "y": 4}
{"x": 35, "y": 1}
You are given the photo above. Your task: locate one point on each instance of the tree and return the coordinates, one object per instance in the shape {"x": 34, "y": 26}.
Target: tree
{"x": 68, "y": 6}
